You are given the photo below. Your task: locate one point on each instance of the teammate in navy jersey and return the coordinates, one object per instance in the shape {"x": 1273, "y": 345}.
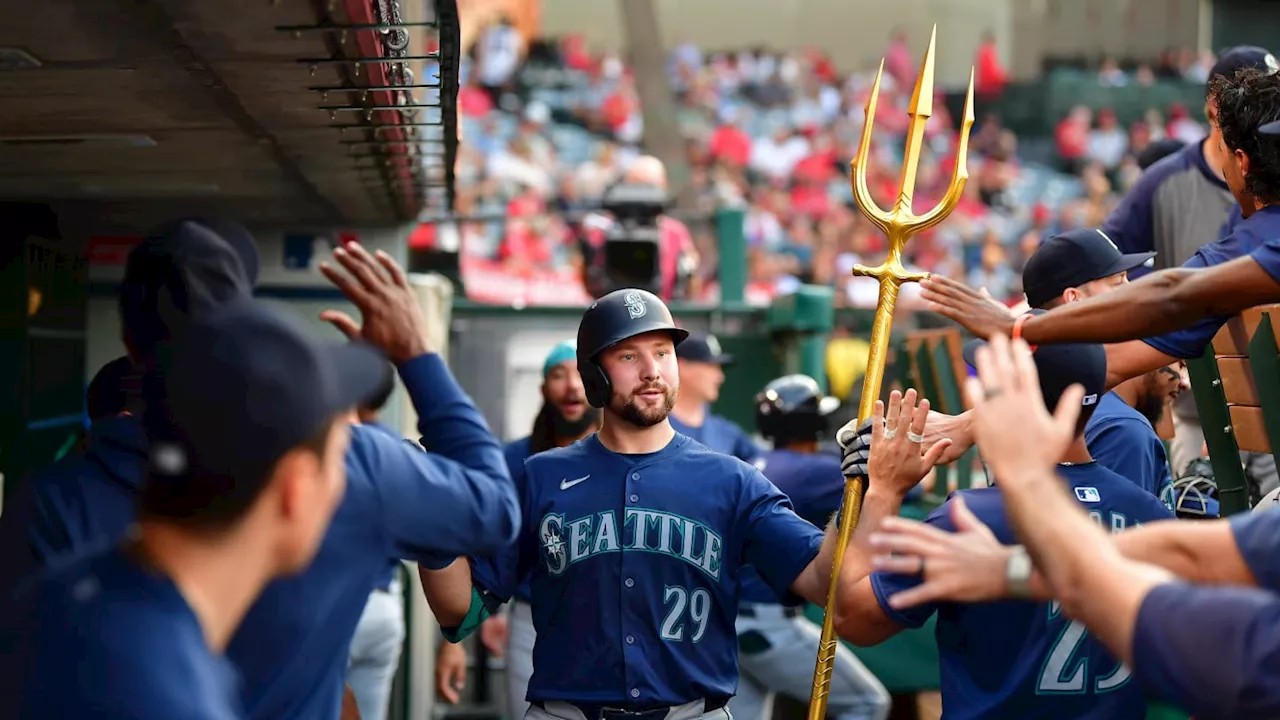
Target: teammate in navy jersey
{"x": 701, "y": 375}
{"x": 565, "y": 418}
{"x": 1177, "y": 311}
{"x": 1008, "y": 659}
{"x": 777, "y": 644}
{"x": 249, "y": 422}
{"x": 635, "y": 540}
{"x": 400, "y": 502}
{"x": 1134, "y": 592}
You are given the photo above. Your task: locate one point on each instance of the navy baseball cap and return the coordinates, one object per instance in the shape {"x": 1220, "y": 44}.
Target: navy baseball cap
{"x": 703, "y": 348}
{"x": 181, "y": 269}
{"x": 1235, "y": 59}
{"x": 238, "y": 388}
{"x": 1071, "y": 259}
{"x": 233, "y": 233}
{"x": 1061, "y": 366}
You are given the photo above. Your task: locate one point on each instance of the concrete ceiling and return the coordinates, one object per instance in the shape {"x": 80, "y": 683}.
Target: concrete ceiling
{"x": 141, "y": 110}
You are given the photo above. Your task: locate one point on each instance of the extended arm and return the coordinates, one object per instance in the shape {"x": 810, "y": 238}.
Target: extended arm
{"x": 1158, "y": 303}
{"x": 455, "y": 499}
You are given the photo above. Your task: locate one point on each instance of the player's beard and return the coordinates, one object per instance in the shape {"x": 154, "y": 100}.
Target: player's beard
{"x": 1151, "y": 407}
{"x": 629, "y": 408}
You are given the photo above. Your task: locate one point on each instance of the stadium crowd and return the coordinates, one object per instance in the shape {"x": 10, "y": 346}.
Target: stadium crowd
{"x": 550, "y": 125}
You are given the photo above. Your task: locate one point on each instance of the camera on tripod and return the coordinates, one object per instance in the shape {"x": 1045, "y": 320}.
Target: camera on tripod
{"x": 633, "y": 241}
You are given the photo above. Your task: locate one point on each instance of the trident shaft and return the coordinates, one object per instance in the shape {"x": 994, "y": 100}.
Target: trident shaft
{"x": 898, "y": 225}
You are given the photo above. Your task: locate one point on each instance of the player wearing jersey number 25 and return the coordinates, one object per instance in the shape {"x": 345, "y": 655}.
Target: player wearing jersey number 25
{"x": 633, "y": 542}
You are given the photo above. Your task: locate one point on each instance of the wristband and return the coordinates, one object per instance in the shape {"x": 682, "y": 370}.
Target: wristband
{"x": 1017, "y": 328}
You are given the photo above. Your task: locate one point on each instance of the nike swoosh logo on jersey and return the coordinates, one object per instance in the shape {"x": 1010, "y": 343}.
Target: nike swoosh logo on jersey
{"x": 566, "y": 484}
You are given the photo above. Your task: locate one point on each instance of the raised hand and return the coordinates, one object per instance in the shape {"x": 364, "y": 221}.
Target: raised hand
{"x": 898, "y": 461}
{"x": 979, "y": 314}
{"x": 1018, "y": 436}
{"x": 967, "y": 565}
{"x": 392, "y": 317}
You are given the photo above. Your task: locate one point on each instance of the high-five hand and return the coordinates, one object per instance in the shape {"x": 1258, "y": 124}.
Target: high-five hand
{"x": 897, "y": 461}
{"x": 393, "y": 319}
{"x": 979, "y": 314}
{"x": 1018, "y": 436}
{"x": 967, "y": 565}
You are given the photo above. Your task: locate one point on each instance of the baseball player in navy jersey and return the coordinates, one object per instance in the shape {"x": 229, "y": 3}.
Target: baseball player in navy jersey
{"x": 1146, "y": 594}
{"x": 1011, "y": 659}
{"x": 634, "y": 543}
{"x": 777, "y": 644}
{"x": 249, "y": 422}
{"x": 565, "y": 418}
{"x": 701, "y": 375}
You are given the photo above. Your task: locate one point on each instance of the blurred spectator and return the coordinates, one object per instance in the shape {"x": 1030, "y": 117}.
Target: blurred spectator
{"x": 990, "y": 75}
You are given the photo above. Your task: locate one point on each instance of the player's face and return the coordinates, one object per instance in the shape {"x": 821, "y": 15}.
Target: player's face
{"x": 563, "y": 389}
{"x": 703, "y": 380}
{"x": 644, "y": 376}
{"x": 312, "y": 488}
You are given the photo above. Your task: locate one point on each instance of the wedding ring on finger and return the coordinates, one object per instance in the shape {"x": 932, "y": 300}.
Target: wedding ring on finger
{"x": 915, "y": 437}
{"x": 889, "y": 433}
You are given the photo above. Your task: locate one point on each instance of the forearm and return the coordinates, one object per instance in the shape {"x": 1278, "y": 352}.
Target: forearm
{"x": 448, "y": 591}
{"x": 1150, "y": 306}
{"x": 876, "y": 506}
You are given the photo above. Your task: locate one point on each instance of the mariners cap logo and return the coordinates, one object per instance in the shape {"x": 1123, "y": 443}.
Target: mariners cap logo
{"x": 1108, "y": 239}
{"x": 635, "y": 305}
{"x": 714, "y": 346}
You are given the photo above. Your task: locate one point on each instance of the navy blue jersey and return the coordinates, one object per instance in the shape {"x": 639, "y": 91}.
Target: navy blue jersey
{"x": 400, "y": 502}
{"x": 814, "y": 484}
{"x": 516, "y": 452}
{"x": 1224, "y": 664}
{"x": 104, "y": 638}
{"x": 76, "y": 502}
{"x": 635, "y": 562}
{"x": 1026, "y": 660}
{"x": 1177, "y": 205}
{"x": 721, "y": 435}
{"x": 1257, "y": 236}
{"x": 1122, "y": 440}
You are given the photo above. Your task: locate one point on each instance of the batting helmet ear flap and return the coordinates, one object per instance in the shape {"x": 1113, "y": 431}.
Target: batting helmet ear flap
{"x": 595, "y": 382}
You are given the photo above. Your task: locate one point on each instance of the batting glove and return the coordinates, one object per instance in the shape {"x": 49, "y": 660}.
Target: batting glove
{"x": 855, "y": 444}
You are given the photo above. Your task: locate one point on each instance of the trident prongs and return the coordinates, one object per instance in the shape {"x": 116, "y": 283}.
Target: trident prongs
{"x": 959, "y": 176}
{"x": 862, "y": 193}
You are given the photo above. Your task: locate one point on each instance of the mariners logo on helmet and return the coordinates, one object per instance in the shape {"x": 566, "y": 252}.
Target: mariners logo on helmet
{"x": 635, "y": 305}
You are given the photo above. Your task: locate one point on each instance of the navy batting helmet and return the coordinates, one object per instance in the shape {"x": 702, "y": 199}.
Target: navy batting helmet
{"x": 613, "y": 318}
{"x": 793, "y": 407}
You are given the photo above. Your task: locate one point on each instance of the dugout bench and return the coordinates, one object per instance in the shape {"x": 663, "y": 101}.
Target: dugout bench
{"x": 1237, "y": 390}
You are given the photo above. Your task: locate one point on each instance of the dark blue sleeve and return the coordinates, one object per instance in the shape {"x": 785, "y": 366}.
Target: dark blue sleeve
{"x": 454, "y": 499}
{"x": 1131, "y": 225}
{"x": 1214, "y": 651}
{"x": 886, "y": 585}
{"x": 1268, "y": 256}
{"x": 775, "y": 540}
{"x": 1127, "y": 447}
{"x": 501, "y": 572}
{"x": 1190, "y": 342}
{"x": 1256, "y": 537}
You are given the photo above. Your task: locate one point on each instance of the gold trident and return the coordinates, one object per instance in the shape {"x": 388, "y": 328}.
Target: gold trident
{"x": 898, "y": 225}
